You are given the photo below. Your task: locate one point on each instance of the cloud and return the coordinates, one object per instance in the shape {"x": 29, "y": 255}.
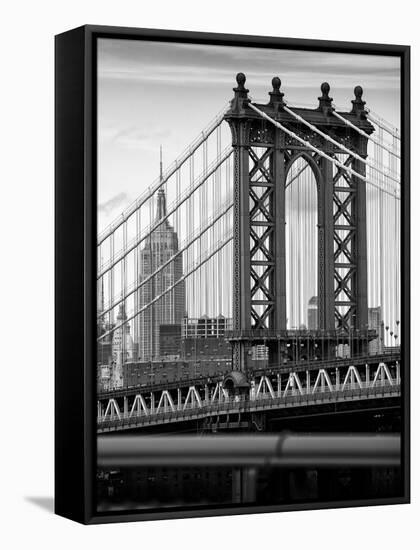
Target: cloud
{"x": 213, "y": 77}
{"x": 114, "y": 202}
{"x": 134, "y": 137}
{"x": 209, "y": 65}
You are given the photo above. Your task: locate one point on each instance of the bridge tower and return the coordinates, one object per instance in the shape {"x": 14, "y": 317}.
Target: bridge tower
{"x": 263, "y": 156}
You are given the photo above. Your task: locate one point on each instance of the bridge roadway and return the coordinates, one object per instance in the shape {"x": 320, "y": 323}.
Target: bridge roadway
{"x": 299, "y": 386}
{"x": 244, "y": 405}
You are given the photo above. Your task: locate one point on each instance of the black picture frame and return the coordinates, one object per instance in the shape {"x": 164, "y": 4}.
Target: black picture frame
{"x": 75, "y": 264}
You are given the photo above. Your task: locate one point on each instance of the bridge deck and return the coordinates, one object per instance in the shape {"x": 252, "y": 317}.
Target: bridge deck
{"x": 262, "y": 403}
{"x": 175, "y": 377}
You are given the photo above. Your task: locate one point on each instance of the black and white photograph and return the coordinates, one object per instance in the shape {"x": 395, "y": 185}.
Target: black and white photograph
{"x": 249, "y": 310}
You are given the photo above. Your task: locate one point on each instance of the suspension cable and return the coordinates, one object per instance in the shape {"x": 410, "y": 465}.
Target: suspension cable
{"x": 218, "y": 246}
{"x": 391, "y": 131}
{"x": 363, "y": 133}
{"x": 339, "y": 145}
{"x": 160, "y": 268}
{"x": 320, "y": 153}
{"x": 138, "y": 239}
{"x": 171, "y": 170}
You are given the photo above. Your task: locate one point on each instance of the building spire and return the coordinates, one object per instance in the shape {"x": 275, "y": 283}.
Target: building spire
{"x": 161, "y": 165}
{"x": 122, "y": 316}
{"x": 161, "y": 197}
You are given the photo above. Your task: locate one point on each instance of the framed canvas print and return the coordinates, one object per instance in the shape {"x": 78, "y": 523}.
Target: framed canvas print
{"x": 232, "y": 274}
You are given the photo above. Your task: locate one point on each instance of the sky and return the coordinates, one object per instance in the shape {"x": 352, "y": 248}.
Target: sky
{"x": 156, "y": 93}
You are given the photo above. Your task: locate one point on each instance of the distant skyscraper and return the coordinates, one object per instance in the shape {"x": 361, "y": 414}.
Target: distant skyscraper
{"x": 104, "y": 345}
{"x": 159, "y": 247}
{"x": 375, "y": 323}
{"x": 205, "y": 337}
{"x": 123, "y": 348}
{"x": 313, "y": 313}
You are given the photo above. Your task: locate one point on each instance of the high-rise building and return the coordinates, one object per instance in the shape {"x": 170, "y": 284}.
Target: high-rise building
{"x": 123, "y": 348}
{"x": 313, "y": 313}
{"x": 168, "y": 307}
{"x": 170, "y": 341}
{"x": 205, "y": 327}
{"x": 375, "y": 323}
{"x": 104, "y": 345}
{"x": 114, "y": 351}
{"x": 205, "y": 337}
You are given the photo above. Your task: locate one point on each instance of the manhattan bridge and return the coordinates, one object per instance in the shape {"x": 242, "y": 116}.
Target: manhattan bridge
{"x": 256, "y": 282}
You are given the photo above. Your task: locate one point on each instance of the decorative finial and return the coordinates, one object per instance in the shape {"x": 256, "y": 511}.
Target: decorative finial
{"x": 240, "y": 99}
{"x": 358, "y": 103}
{"x": 240, "y": 79}
{"x": 276, "y": 82}
{"x": 325, "y": 100}
{"x": 276, "y": 96}
{"x": 325, "y": 89}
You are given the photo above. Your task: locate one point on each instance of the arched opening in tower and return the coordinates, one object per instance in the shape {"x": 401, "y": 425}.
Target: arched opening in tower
{"x": 301, "y": 234}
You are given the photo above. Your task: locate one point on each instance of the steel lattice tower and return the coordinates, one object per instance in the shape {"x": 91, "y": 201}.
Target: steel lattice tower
{"x": 263, "y": 156}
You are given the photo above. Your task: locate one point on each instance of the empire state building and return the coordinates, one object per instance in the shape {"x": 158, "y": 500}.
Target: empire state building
{"x": 168, "y": 307}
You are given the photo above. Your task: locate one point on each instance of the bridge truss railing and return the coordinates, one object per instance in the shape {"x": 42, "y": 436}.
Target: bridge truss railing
{"x": 169, "y": 375}
{"x": 243, "y": 405}
{"x": 290, "y": 389}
